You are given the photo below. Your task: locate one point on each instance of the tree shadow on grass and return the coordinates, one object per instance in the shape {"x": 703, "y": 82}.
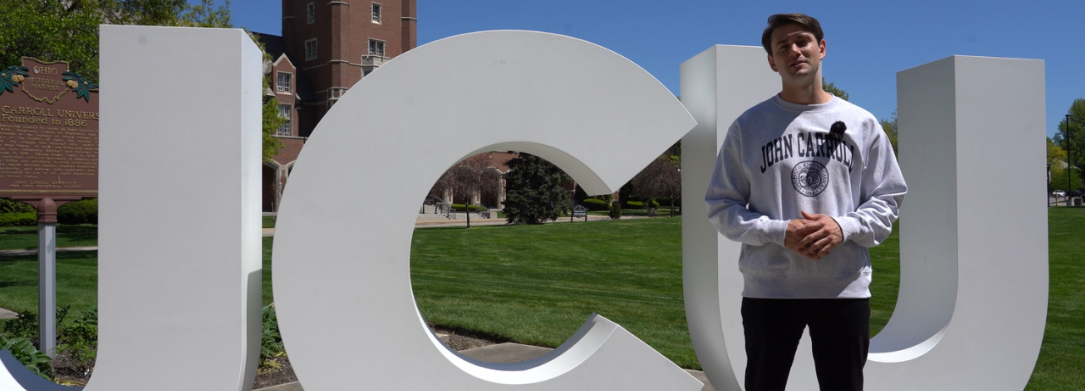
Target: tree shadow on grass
{"x": 80, "y": 233}
{"x": 6, "y": 284}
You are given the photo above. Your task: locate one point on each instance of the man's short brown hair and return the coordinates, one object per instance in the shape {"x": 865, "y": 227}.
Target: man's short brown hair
{"x": 807, "y": 22}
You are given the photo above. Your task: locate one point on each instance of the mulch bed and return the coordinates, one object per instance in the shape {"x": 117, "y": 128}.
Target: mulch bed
{"x": 279, "y": 371}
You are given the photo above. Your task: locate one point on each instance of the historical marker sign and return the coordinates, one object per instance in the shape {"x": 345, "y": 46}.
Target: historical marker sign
{"x": 48, "y": 132}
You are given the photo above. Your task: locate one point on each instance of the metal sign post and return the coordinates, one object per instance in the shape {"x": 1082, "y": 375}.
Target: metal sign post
{"x": 47, "y": 261}
{"x": 47, "y": 276}
{"x": 47, "y": 288}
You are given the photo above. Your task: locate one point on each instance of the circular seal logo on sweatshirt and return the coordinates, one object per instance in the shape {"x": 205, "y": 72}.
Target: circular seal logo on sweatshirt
{"x": 810, "y": 178}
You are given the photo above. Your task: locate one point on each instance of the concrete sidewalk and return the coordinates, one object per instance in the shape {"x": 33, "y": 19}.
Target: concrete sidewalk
{"x": 438, "y": 220}
{"x": 33, "y": 251}
{"x": 503, "y": 353}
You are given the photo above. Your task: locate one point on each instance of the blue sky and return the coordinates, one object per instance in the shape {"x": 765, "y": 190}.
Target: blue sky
{"x": 868, "y": 42}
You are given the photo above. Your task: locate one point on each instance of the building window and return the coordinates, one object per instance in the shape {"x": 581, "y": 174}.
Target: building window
{"x": 310, "y": 13}
{"x": 376, "y": 48}
{"x": 310, "y": 49}
{"x": 284, "y": 112}
{"x": 376, "y": 13}
{"x": 282, "y": 83}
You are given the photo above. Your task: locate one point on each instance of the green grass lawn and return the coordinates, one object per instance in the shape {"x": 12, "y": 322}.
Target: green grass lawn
{"x": 67, "y": 236}
{"x": 537, "y": 284}
{"x": 77, "y": 282}
{"x": 1061, "y": 365}
{"x": 538, "y": 291}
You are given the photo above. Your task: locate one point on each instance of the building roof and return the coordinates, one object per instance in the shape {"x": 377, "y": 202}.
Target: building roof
{"x": 273, "y": 45}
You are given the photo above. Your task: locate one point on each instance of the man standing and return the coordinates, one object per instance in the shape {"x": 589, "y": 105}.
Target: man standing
{"x": 806, "y": 181}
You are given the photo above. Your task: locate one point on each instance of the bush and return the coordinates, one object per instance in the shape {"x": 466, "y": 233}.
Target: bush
{"x": 18, "y": 219}
{"x": 25, "y": 324}
{"x": 79, "y": 340}
{"x": 79, "y": 212}
{"x": 9, "y": 206}
{"x": 595, "y": 204}
{"x": 28, "y": 355}
{"x": 667, "y": 202}
{"x": 640, "y": 205}
{"x": 271, "y": 340}
{"x": 615, "y": 211}
{"x": 474, "y": 208}
{"x": 19, "y": 337}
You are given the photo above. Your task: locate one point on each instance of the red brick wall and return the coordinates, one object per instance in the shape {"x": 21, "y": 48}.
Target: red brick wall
{"x": 342, "y": 30}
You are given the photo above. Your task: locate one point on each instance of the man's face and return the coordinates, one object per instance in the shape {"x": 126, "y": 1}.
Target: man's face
{"x": 796, "y": 53}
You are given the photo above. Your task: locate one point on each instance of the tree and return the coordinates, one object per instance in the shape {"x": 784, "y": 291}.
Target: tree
{"x": 1076, "y": 127}
{"x": 52, "y": 30}
{"x": 468, "y": 177}
{"x": 272, "y": 118}
{"x": 661, "y": 178}
{"x": 473, "y": 175}
{"x": 1055, "y": 154}
{"x": 890, "y": 129}
{"x": 533, "y": 192}
{"x": 270, "y": 124}
{"x": 889, "y": 126}
{"x": 1059, "y": 180}
{"x": 831, "y": 88}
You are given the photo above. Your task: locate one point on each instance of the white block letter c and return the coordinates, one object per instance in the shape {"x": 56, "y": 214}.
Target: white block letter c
{"x": 342, "y": 249}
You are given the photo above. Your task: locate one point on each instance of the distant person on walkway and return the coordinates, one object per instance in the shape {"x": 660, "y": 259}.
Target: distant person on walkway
{"x": 806, "y": 181}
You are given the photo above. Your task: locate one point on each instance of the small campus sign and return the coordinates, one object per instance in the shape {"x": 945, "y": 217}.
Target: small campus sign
{"x": 580, "y": 211}
{"x": 48, "y": 132}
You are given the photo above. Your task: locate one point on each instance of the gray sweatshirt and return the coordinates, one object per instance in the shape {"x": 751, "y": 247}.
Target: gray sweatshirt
{"x": 780, "y": 158}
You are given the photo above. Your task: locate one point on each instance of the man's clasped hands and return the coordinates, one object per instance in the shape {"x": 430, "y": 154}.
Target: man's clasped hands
{"x": 813, "y": 235}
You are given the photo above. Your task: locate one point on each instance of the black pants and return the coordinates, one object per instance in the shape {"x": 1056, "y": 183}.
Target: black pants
{"x": 839, "y": 334}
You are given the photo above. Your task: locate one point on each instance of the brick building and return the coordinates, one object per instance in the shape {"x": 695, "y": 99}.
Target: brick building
{"x": 325, "y": 48}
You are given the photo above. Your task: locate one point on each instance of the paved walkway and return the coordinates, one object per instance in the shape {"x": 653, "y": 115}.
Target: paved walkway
{"x": 33, "y": 251}
{"x": 438, "y": 220}
{"x": 504, "y": 353}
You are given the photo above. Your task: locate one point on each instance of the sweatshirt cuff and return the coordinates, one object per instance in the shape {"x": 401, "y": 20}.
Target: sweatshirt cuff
{"x": 776, "y": 230}
{"x": 848, "y": 226}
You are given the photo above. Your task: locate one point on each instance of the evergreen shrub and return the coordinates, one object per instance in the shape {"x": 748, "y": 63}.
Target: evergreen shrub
{"x": 615, "y": 211}
{"x": 473, "y": 208}
{"x": 533, "y": 190}
{"x": 18, "y": 219}
{"x": 595, "y": 204}
{"x": 640, "y": 205}
{"x": 9, "y": 206}
{"x": 79, "y": 212}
